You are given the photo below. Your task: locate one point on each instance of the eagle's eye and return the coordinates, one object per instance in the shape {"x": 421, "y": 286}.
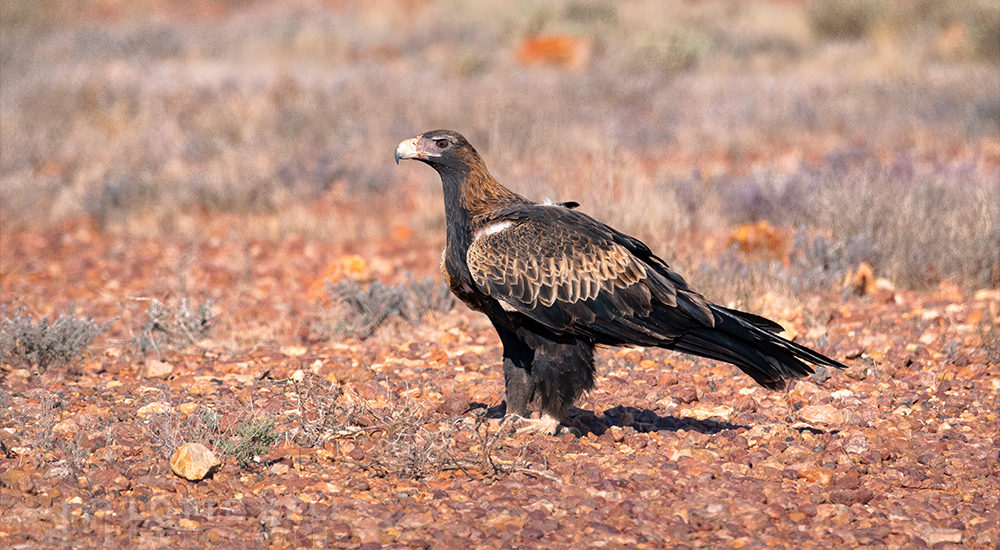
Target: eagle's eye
{"x": 441, "y": 143}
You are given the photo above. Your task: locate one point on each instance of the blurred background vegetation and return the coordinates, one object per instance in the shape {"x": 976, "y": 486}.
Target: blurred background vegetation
{"x": 866, "y": 130}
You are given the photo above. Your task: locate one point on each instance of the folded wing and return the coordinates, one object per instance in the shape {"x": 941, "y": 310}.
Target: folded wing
{"x": 576, "y": 275}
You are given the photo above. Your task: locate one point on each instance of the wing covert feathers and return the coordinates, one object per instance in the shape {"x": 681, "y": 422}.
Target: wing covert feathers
{"x": 538, "y": 264}
{"x": 571, "y": 273}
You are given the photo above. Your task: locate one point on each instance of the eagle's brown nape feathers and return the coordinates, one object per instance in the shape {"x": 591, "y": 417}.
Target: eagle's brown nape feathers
{"x": 556, "y": 282}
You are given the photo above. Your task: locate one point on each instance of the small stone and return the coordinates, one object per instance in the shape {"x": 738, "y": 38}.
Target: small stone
{"x": 847, "y": 498}
{"x": 360, "y": 485}
{"x": 454, "y": 404}
{"x": 821, "y": 414}
{"x": 667, "y": 379}
{"x": 856, "y": 445}
{"x": 350, "y": 374}
{"x": 617, "y": 433}
{"x": 881, "y": 283}
{"x": 703, "y": 411}
{"x": 367, "y": 531}
{"x": 67, "y": 426}
{"x": 279, "y": 469}
{"x": 186, "y": 523}
{"x": 18, "y": 480}
{"x": 193, "y": 461}
{"x": 862, "y": 281}
{"x": 987, "y": 294}
{"x": 293, "y": 351}
{"x": 203, "y": 385}
{"x": 188, "y": 408}
{"x": 685, "y": 394}
{"x": 934, "y": 535}
{"x": 951, "y": 292}
{"x": 816, "y": 474}
{"x": 7, "y": 444}
{"x": 156, "y": 407}
{"x": 157, "y": 369}
{"x": 416, "y": 520}
{"x": 788, "y": 331}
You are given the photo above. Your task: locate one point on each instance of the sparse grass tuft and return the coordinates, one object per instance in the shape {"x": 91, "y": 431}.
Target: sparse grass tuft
{"x": 170, "y": 431}
{"x": 243, "y": 442}
{"x": 359, "y": 310}
{"x": 816, "y": 262}
{"x": 252, "y": 440}
{"x": 325, "y": 412}
{"x": 407, "y": 448}
{"x": 819, "y": 262}
{"x": 674, "y": 49}
{"x": 366, "y": 308}
{"x": 43, "y": 345}
{"x": 174, "y": 327}
{"x": 903, "y": 217}
{"x": 117, "y": 197}
{"x": 428, "y": 295}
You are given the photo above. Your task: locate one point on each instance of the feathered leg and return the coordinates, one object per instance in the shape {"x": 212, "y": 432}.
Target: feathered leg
{"x": 561, "y": 373}
{"x": 519, "y": 386}
{"x": 520, "y": 389}
{"x": 554, "y": 373}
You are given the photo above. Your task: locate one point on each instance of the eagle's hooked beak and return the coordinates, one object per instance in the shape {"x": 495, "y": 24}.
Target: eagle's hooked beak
{"x": 407, "y": 149}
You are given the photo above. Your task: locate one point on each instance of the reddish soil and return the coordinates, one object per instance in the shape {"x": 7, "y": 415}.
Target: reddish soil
{"x": 901, "y": 450}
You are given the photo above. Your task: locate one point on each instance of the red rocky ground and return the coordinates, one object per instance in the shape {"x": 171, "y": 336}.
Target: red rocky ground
{"x": 394, "y": 443}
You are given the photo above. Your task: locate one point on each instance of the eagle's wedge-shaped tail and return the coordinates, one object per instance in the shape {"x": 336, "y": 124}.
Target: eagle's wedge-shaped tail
{"x": 738, "y": 338}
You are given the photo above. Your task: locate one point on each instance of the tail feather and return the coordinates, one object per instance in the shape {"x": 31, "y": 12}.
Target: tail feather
{"x": 747, "y": 341}
{"x": 755, "y": 320}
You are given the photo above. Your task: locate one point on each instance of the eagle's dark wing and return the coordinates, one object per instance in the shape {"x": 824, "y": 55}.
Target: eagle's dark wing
{"x": 580, "y": 277}
{"x": 576, "y": 275}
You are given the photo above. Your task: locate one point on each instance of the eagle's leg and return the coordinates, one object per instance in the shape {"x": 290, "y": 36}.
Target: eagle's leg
{"x": 561, "y": 372}
{"x": 519, "y": 386}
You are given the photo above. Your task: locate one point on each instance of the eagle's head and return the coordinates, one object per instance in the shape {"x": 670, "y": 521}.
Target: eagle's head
{"x": 441, "y": 149}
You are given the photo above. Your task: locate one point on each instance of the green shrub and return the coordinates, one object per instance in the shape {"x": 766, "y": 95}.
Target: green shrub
{"x": 252, "y": 440}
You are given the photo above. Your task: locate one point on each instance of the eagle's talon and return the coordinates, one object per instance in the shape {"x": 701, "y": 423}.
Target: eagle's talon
{"x": 546, "y": 425}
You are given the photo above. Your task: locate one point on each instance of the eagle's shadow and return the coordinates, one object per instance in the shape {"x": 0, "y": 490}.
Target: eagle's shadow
{"x": 641, "y": 420}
